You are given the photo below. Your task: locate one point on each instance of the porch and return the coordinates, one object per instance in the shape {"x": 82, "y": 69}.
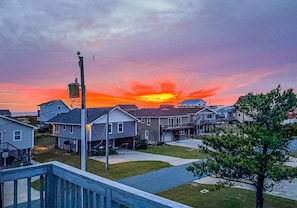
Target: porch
{"x": 62, "y": 186}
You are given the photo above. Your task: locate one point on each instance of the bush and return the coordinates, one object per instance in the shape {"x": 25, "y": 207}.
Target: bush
{"x": 140, "y": 144}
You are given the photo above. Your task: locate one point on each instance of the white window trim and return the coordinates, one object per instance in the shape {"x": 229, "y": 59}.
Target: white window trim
{"x": 121, "y": 123}
{"x": 110, "y": 125}
{"x": 56, "y": 128}
{"x": 143, "y": 120}
{"x": 148, "y": 121}
{"x": 15, "y": 135}
{"x": 71, "y": 129}
{"x": 146, "y": 134}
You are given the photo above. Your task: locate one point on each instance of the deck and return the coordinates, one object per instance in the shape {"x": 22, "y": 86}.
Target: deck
{"x": 62, "y": 185}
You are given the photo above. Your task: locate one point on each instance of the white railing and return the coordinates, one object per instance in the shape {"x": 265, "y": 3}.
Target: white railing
{"x": 65, "y": 186}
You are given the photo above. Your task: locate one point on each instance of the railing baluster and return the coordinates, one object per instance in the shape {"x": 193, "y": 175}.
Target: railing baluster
{"x": 108, "y": 198}
{"x": 29, "y": 192}
{"x": 59, "y": 193}
{"x": 41, "y": 191}
{"x": 63, "y": 193}
{"x": 67, "y": 197}
{"x": 94, "y": 200}
{"x": 15, "y": 193}
{"x": 78, "y": 196}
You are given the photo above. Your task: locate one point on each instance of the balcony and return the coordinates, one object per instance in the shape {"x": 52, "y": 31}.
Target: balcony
{"x": 178, "y": 126}
{"x": 65, "y": 186}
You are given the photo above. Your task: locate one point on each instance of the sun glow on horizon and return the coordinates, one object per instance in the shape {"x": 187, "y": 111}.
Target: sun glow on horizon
{"x": 157, "y": 97}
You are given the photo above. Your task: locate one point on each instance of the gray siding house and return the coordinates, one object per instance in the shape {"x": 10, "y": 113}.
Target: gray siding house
{"x": 49, "y": 110}
{"x": 16, "y": 138}
{"x": 165, "y": 124}
{"x": 122, "y": 129}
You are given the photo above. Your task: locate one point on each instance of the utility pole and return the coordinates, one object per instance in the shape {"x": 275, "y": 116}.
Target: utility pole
{"x": 83, "y": 112}
{"x": 107, "y": 140}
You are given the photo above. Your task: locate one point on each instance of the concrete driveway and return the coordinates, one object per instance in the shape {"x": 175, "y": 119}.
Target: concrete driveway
{"x": 189, "y": 143}
{"x": 125, "y": 155}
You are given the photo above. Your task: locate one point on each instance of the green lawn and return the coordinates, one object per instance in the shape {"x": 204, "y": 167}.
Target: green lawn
{"x": 175, "y": 151}
{"x": 115, "y": 172}
{"x": 44, "y": 139}
{"x": 224, "y": 197}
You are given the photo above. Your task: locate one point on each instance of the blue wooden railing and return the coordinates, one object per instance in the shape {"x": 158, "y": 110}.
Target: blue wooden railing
{"x": 65, "y": 186}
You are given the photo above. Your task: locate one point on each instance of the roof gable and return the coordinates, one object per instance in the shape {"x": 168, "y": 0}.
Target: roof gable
{"x": 74, "y": 116}
{"x": 114, "y": 116}
{"x": 52, "y": 102}
{"x": 5, "y": 112}
{"x": 16, "y": 121}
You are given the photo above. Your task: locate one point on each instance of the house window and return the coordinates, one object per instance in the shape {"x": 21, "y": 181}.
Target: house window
{"x": 148, "y": 121}
{"x": 120, "y": 127}
{"x": 181, "y": 132}
{"x": 146, "y": 134}
{"x": 17, "y": 135}
{"x": 59, "y": 107}
{"x": 209, "y": 116}
{"x": 64, "y": 127}
{"x": 143, "y": 120}
{"x": 56, "y": 128}
{"x": 71, "y": 129}
{"x": 110, "y": 128}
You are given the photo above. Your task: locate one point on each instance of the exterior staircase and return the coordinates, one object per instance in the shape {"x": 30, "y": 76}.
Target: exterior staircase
{"x": 13, "y": 154}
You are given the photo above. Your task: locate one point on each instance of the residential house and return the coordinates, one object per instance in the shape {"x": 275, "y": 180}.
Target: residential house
{"x": 195, "y": 103}
{"x": 5, "y": 113}
{"x": 226, "y": 114}
{"x": 16, "y": 138}
{"x": 49, "y": 110}
{"x": 122, "y": 129}
{"x": 241, "y": 116}
{"x": 165, "y": 124}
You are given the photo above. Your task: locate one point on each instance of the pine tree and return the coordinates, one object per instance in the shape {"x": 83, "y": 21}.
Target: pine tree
{"x": 260, "y": 149}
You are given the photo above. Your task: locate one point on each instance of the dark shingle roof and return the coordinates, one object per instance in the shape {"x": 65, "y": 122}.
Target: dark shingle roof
{"x": 160, "y": 112}
{"x": 5, "y": 112}
{"x": 73, "y": 116}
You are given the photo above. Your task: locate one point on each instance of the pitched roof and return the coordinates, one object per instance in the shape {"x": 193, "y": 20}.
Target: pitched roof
{"x": 74, "y": 116}
{"x": 128, "y": 107}
{"x": 191, "y": 102}
{"x": 52, "y": 102}
{"x": 16, "y": 121}
{"x": 163, "y": 112}
{"x": 5, "y": 112}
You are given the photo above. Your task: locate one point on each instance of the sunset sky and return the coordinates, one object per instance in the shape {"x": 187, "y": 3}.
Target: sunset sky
{"x": 145, "y": 52}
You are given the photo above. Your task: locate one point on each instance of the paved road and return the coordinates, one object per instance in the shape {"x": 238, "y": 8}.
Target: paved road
{"x": 161, "y": 180}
